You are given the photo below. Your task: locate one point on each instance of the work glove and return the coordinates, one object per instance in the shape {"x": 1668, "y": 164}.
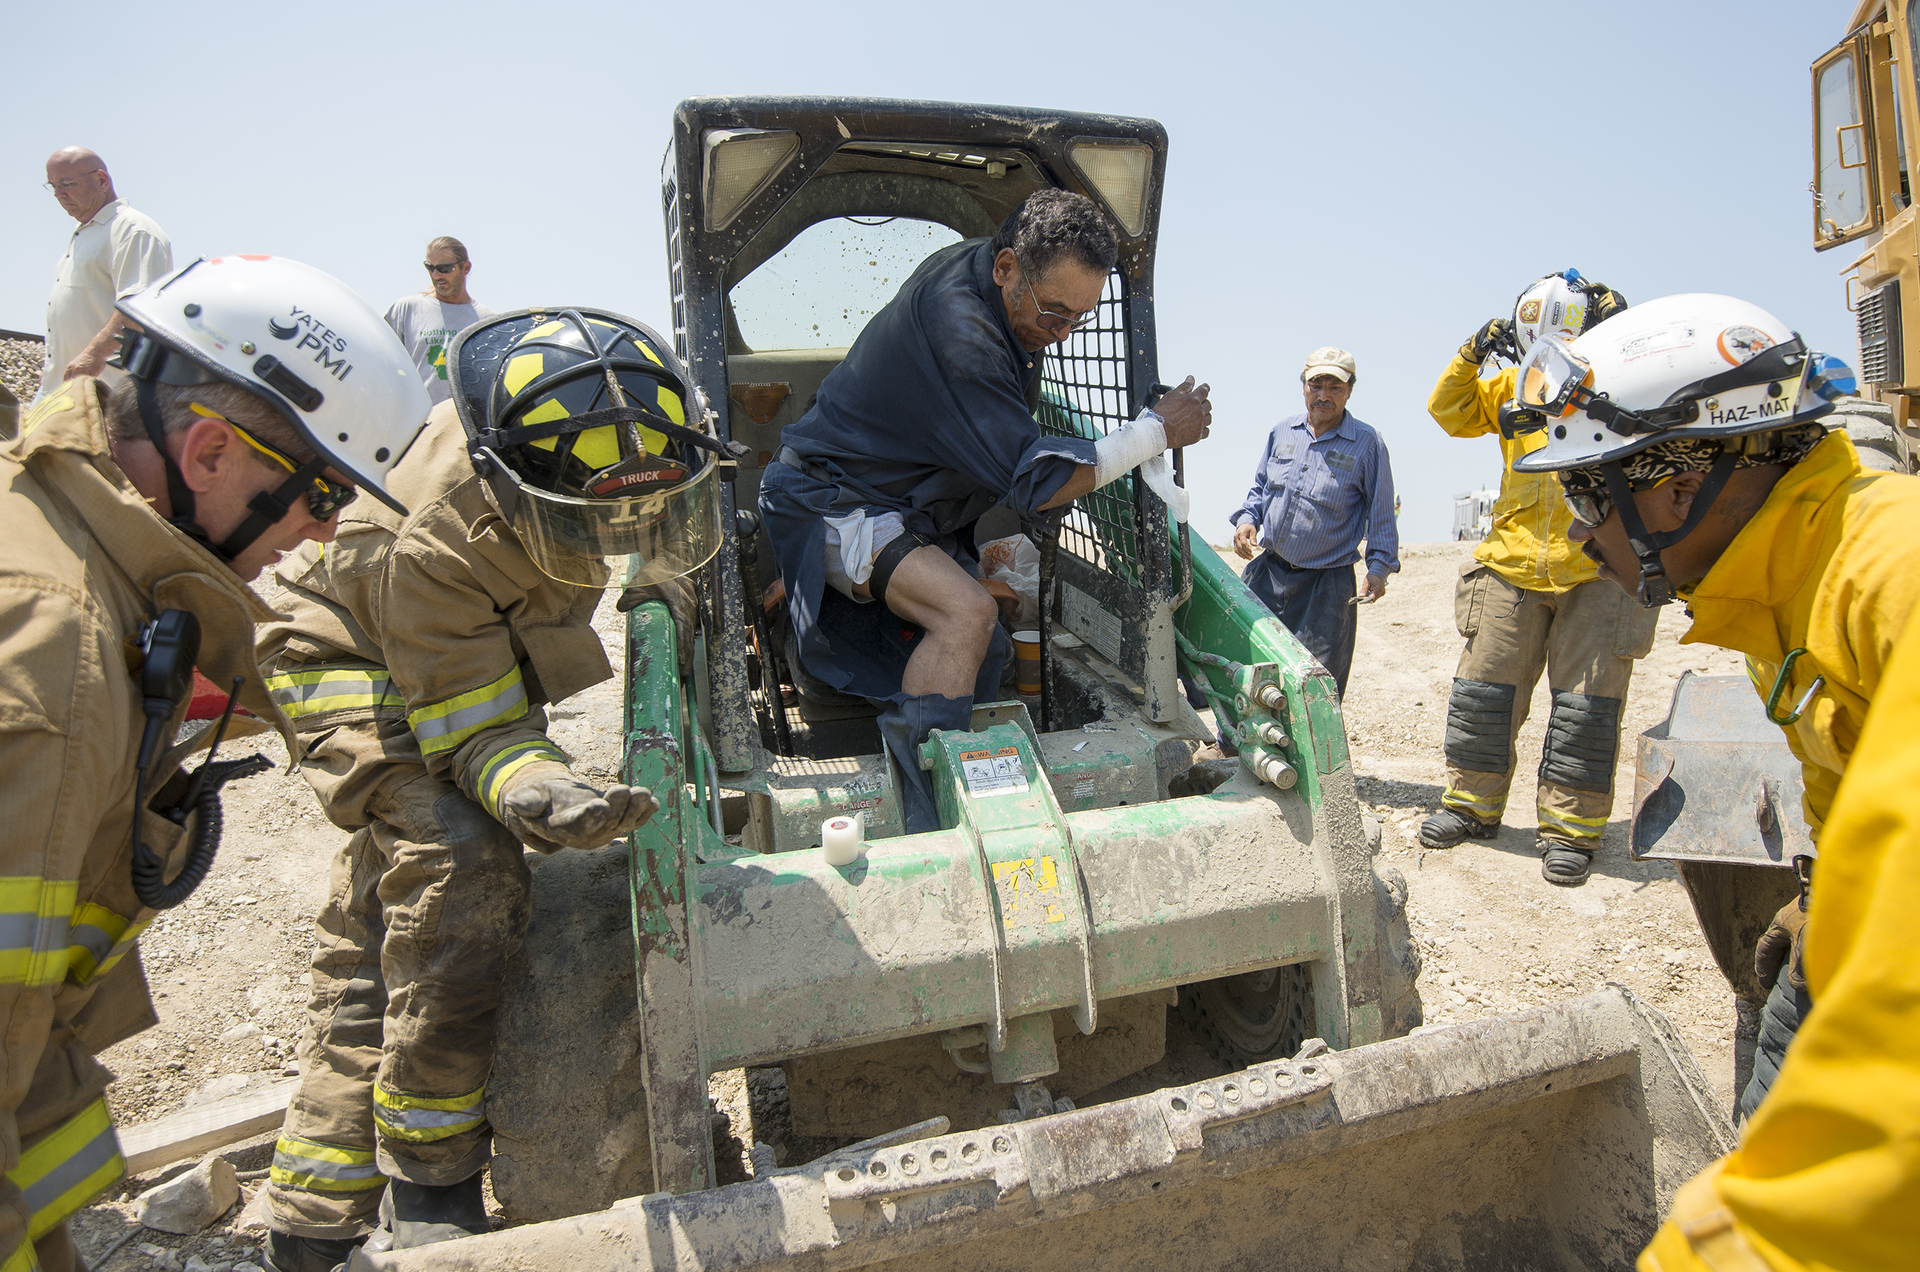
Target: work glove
{"x": 547, "y": 808}
{"x": 682, "y": 600}
{"x": 1494, "y": 336}
{"x": 1603, "y": 303}
{"x": 1783, "y": 940}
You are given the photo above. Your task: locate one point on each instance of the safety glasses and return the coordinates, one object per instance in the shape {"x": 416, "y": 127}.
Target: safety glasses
{"x": 1592, "y": 507}
{"x": 1060, "y": 324}
{"x": 448, "y": 268}
{"x": 325, "y": 499}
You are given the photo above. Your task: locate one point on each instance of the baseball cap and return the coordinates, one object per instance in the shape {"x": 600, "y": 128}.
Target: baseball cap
{"x": 1328, "y": 360}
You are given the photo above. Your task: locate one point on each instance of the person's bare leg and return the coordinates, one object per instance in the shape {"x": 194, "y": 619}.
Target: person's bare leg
{"x": 930, "y": 590}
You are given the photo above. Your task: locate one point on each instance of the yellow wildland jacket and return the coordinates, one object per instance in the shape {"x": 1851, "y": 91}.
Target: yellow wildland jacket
{"x": 1826, "y": 565}
{"x": 87, "y": 563}
{"x": 439, "y": 619}
{"x": 1528, "y": 544}
{"x": 1827, "y": 1174}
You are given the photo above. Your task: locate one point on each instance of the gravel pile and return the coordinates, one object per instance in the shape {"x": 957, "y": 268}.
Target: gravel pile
{"x": 20, "y": 366}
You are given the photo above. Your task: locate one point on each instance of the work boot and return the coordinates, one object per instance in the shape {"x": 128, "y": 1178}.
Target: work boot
{"x": 1449, "y": 826}
{"x": 423, "y": 1214}
{"x": 288, "y": 1253}
{"x": 1563, "y": 864}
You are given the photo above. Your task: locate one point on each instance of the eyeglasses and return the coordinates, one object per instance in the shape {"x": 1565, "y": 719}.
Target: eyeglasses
{"x": 1588, "y": 509}
{"x": 1594, "y": 506}
{"x": 1060, "y": 323}
{"x": 324, "y": 498}
{"x": 72, "y": 183}
{"x": 448, "y": 268}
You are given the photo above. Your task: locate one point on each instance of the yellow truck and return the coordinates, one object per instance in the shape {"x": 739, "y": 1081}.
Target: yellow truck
{"x": 1866, "y": 92}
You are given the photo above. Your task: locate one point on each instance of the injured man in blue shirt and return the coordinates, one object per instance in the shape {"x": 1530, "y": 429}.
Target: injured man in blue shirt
{"x": 926, "y": 424}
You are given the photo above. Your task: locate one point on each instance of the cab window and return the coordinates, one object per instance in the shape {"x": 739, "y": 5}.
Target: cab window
{"x": 819, "y": 291}
{"x": 1842, "y": 197}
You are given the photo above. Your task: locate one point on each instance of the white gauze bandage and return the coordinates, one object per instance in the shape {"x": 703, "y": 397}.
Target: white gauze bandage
{"x": 1141, "y": 444}
{"x": 1128, "y": 447}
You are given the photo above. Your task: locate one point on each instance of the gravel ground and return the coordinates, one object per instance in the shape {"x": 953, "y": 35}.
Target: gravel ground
{"x": 20, "y": 362}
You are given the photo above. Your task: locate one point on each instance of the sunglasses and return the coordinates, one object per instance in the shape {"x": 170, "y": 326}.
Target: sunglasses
{"x": 448, "y": 268}
{"x": 325, "y": 499}
{"x": 1594, "y": 506}
{"x": 1058, "y": 323}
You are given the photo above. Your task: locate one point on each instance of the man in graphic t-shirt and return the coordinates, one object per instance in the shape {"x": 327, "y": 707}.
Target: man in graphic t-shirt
{"x": 427, "y": 322}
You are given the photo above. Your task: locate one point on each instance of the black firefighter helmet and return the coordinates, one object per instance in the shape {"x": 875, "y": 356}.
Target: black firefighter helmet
{"x": 579, "y": 418}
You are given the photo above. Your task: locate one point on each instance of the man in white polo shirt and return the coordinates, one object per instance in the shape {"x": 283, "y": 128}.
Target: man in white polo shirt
{"x": 427, "y": 321}
{"x": 114, "y": 253}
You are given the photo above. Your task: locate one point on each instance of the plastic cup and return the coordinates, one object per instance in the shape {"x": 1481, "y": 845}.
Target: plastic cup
{"x": 1026, "y": 663}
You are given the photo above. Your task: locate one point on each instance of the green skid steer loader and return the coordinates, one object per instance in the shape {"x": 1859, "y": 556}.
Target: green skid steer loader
{"x": 985, "y": 1008}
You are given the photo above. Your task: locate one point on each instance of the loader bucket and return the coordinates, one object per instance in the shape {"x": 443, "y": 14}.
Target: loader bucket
{"x": 1548, "y": 1138}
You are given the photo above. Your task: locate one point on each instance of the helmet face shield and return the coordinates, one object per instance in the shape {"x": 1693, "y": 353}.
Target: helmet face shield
{"x": 1550, "y": 379}
{"x": 660, "y": 534}
{"x": 587, "y": 428}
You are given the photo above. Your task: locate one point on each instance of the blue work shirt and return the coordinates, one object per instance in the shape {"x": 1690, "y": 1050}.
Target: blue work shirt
{"x": 929, "y": 415}
{"x": 1316, "y": 498}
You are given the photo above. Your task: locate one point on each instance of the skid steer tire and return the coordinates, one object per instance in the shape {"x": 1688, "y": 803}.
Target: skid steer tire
{"x": 1401, "y": 1011}
{"x": 1242, "y": 1020}
{"x": 565, "y": 1098}
{"x": 1870, "y": 426}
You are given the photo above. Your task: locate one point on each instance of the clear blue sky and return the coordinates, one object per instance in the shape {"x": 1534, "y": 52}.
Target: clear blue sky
{"x": 1381, "y": 177}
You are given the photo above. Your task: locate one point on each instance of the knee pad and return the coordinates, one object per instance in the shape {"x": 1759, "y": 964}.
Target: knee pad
{"x": 1583, "y": 740}
{"x": 1480, "y": 726}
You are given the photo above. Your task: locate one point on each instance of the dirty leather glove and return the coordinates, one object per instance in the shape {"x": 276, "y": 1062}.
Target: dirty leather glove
{"x": 1494, "y": 336}
{"x": 1603, "y": 303}
{"x": 547, "y": 808}
{"x": 682, "y": 600}
{"x": 1783, "y": 939}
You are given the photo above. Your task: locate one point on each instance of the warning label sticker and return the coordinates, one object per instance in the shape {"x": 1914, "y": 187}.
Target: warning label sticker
{"x": 994, "y": 772}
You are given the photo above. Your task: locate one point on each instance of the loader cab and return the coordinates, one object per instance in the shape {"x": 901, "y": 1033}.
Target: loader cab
{"x": 1866, "y": 150}
{"x": 790, "y": 223}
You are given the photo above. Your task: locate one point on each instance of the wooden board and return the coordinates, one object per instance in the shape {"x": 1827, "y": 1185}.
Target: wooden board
{"x": 192, "y": 1132}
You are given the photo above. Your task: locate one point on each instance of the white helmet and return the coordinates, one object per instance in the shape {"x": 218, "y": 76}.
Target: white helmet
{"x": 1563, "y": 306}
{"x": 301, "y": 339}
{"x": 1701, "y": 369}
{"x": 1693, "y": 366}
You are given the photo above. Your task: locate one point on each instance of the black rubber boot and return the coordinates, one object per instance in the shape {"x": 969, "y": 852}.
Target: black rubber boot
{"x": 288, "y": 1253}
{"x": 421, "y": 1214}
{"x": 1563, "y": 864}
{"x": 1449, "y": 826}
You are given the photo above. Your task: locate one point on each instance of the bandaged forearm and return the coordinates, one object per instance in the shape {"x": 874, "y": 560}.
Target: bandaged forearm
{"x": 1128, "y": 447}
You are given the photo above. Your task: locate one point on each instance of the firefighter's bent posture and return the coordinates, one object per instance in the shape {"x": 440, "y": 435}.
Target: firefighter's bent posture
{"x": 416, "y": 662}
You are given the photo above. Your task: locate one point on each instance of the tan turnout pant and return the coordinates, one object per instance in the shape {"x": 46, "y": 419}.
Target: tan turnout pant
{"x": 1586, "y": 639}
{"x": 425, "y": 904}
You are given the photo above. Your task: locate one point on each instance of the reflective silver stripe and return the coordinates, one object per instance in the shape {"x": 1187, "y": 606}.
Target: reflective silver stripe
{"x": 74, "y": 1180}
{"x": 296, "y": 1164}
{"x": 438, "y": 731}
{"x": 94, "y": 940}
{"x": 424, "y": 1119}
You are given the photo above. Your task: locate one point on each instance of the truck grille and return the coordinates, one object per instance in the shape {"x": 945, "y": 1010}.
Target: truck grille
{"x": 1880, "y": 353}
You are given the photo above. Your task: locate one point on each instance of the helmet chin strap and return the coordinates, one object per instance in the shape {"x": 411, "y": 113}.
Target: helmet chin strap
{"x": 1655, "y": 589}
{"x": 265, "y": 510}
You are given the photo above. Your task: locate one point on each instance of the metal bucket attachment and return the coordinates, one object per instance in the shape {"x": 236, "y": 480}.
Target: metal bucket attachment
{"x": 1548, "y": 1138}
{"x": 1716, "y": 781}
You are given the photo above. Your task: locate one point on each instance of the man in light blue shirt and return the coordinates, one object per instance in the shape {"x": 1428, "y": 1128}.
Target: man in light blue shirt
{"x": 1323, "y": 485}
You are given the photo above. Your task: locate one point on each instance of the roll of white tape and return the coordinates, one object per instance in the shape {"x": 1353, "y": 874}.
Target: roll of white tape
{"x": 840, "y": 840}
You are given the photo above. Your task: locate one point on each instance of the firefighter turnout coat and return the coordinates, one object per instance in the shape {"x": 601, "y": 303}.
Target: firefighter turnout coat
{"x": 439, "y": 618}
{"x": 87, "y": 563}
